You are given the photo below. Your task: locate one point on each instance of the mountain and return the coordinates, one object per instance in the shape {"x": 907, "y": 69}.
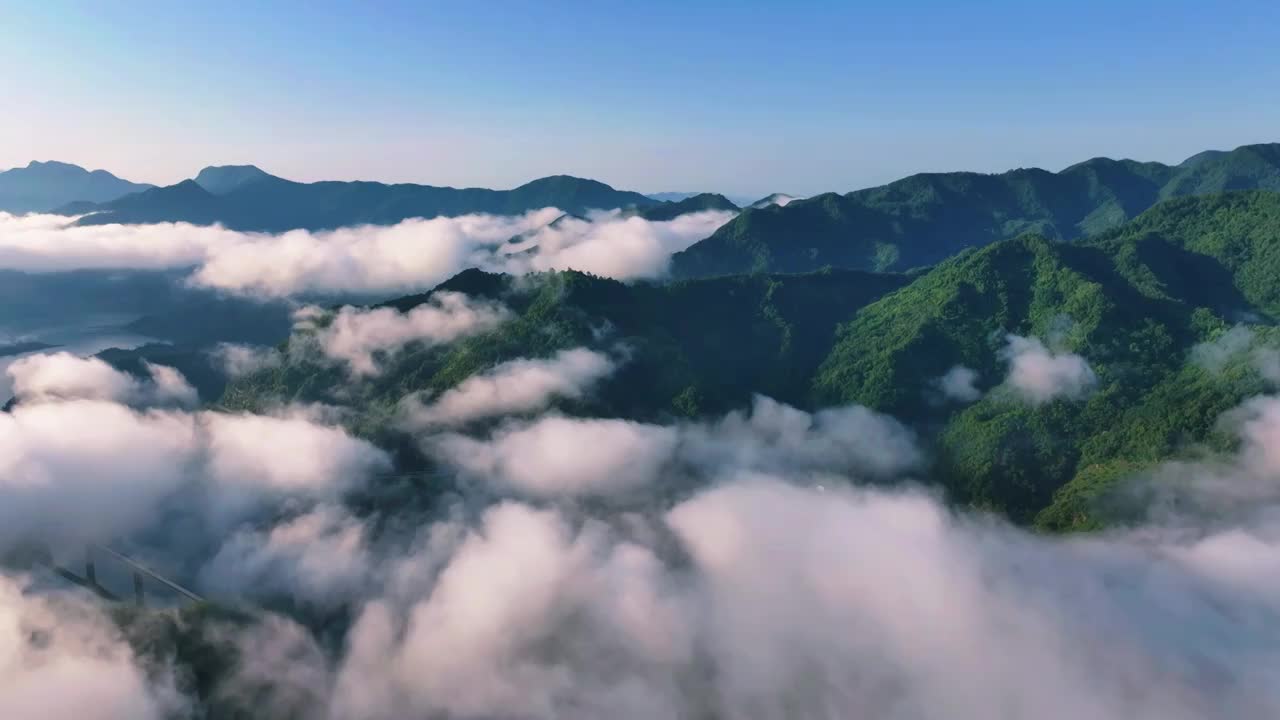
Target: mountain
{"x": 1132, "y": 303}
{"x": 222, "y": 179}
{"x": 923, "y": 219}
{"x": 678, "y": 337}
{"x": 671, "y": 196}
{"x": 245, "y": 198}
{"x": 694, "y": 203}
{"x": 44, "y": 186}
{"x": 779, "y": 199}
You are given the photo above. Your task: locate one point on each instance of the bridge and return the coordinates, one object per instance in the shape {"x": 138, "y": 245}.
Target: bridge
{"x": 102, "y": 565}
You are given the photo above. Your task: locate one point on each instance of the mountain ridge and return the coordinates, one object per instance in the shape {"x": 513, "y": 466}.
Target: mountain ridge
{"x": 261, "y": 202}
{"x": 924, "y": 218}
{"x": 44, "y": 186}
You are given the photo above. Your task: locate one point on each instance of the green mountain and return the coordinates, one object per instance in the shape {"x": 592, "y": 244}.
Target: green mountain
{"x": 692, "y": 347}
{"x": 1131, "y": 302}
{"x": 695, "y": 203}
{"x": 245, "y": 198}
{"x": 44, "y": 186}
{"x": 926, "y": 218}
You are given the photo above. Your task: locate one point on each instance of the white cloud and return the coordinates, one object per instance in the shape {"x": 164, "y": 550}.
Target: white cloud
{"x": 559, "y": 456}
{"x": 523, "y": 579}
{"x": 762, "y": 599}
{"x": 1039, "y": 374}
{"x": 320, "y": 557}
{"x": 1215, "y": 354}
{"x": 46, "y": 243}
{"x": 287, "y": 455}
{"x": 60, "y": 657}
{"x": 39, "y": 378}
{"x": 611, "y": 245}
{"x": 93, "y": 471}
{"x": 413, "y": 254}
{"x": 512, "y": 387}
{"x": 960, "y": 384}
{"x": 774, "y": 437}
{"x": 237, "y": 360}
{"x": 355, "y": 335}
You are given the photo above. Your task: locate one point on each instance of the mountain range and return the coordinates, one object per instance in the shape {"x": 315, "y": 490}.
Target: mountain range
{"x": 246, "y": 198}
{"x": 923, "y": 219}
{"x": 44, "y": 186}
{"x": 1133, "y": 302}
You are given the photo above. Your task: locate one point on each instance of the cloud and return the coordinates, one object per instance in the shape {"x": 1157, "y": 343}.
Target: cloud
{"x": 558, "y": 456}
{"x": 612, "y": 245}
{"x": 1215, "y": 354}
{"x": 754, "y": 594}
{"x": 775, "y": 437}
{"x": 61, "y": 657}
{"x": 238, "y": 360}
{"x": 960, "y": 384}
{"x": 517, "y": 386}
{"x": 355, "y": 335}
{"x": 79, "y": 471}
{"x": 66, "y": 376}
{"x": 1039, "y": 374}
{"x": 758, "y": 598}
{"x": 1238, "y": 342}
{"x": 413, "y": 254}
{"x": 49, "y": 243}
{"x": 320, "y": 557}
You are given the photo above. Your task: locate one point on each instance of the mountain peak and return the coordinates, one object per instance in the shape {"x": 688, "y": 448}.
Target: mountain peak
{"x": 222, "y": 179}
{"x": 54, "y": 165}
{"x": 43, "y": 186}
{"x": 779, "y": 199}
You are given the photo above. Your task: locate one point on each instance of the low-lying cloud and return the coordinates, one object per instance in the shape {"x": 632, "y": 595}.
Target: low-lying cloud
{"x": 557, "y": 456}
{"x": 1039, "y": 374}
{"x": 1236, "y": 344}
{"x": 63, "y": 376}
{"x": 61, "y": 657}
{"x": 355, "y": 336}
{"x": 413, "y": 254}
{"x": 518, "y": 386}
{"x": 759, "y": 598}
{"x": 762, "y": 576}
{"x": 960, "y": 384}
{"x": 88, "y": 468}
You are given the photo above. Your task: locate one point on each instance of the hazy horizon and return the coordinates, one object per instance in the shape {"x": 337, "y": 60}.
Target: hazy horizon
{"x": 675, "y": 189}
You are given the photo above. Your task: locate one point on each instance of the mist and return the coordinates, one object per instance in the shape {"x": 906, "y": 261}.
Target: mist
{"x": 768, "y": 563}
{"x": 380, "y": 260}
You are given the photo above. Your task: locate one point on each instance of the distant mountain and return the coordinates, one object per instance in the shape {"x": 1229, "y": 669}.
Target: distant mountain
{"x": 694, "y": 203}
{"x": 923, "y": 219}
{"x": 44, "y": 186}
{"x": 779, "y": 199}
{"x": 222, "y": 179}
{"x": 245, "y": 198}
{"x": 671, "y": 196}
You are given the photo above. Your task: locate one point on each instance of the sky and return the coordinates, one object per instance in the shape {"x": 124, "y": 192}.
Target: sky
{"x": 743, "y": 98}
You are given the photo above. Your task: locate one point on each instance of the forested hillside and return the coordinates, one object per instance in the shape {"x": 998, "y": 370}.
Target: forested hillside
{"x": 1123, "y": 311}
{"x": 923, "y": 219}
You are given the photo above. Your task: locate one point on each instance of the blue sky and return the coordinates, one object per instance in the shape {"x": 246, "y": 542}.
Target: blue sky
{"x": 744, "y": 98}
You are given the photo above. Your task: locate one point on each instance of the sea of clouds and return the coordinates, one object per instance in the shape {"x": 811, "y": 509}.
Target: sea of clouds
{"x": 371, "y": 259}
{"x": 769, "y": 563}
